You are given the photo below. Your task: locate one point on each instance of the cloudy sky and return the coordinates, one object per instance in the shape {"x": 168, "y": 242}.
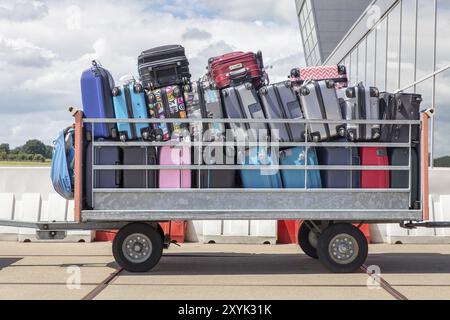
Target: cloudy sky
{"x": 45, "y": 45}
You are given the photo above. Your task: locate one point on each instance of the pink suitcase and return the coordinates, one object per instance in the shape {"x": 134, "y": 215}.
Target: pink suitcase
{"x": 337, "y": 73}
{"x": 175, "y": 179}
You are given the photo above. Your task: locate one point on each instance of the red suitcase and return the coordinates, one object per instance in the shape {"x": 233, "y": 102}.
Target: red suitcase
{"x": 375, "y": 179}
{"x": 337, "y": 73}
{"x": 235, "y": 68}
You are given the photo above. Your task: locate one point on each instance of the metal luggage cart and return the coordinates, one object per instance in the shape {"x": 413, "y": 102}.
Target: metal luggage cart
{"x": 331, "y": 216}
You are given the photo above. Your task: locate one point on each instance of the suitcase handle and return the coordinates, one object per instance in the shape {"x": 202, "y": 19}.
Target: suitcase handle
{"x": 238, "y": 74}
{"x": 117, "y": 177}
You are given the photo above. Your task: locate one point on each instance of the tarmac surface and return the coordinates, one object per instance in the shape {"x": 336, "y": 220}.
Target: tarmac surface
{"x": 220, "y": 272}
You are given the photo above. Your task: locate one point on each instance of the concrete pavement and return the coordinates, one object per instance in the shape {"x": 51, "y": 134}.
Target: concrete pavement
{"x": 197, "y": 271}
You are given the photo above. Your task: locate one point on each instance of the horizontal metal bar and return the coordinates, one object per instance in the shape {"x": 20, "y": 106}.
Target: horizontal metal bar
{"x": 256, "y": 121}
{"x": 250, "y": 144}
{"x": 343, "y": 215}
{"x": 249, "y": 167}
{"x": 19, "y": 224}
{"x": 266, "y": 192}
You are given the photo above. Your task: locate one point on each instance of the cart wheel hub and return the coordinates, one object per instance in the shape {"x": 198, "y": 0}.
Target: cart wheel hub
{"x": 344, "y": 249}
{"x": 137, "y": 248}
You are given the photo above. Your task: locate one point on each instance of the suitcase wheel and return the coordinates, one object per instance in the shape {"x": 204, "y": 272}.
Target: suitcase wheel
{"x": 151, "y": 98}
{"x": 116, "y": 92}
{"x": 264, "y": 91}
{"x": 304, "y": 91}
{"x": 226, "y": 93}
{"x": 376, "y": 134}
{"x": 138, "y": 88}
{"x": 295, "y": 73}
{"x": 352, "y": 135}
{"x": 123, "y": 137}
{"x": 145, "y": 135}
{"x": 341, "y": 131}
{"x": 177, "y": 92}
{"x": 248, "y": 86}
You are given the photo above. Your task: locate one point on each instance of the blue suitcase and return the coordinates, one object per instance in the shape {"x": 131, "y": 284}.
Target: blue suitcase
{"x": 295, "y": 179}
{"x": 264, "y": 178}
{"x": 129, "y": 103}
{"x": 344, "y": 179}
{"x": 96, "y": 86}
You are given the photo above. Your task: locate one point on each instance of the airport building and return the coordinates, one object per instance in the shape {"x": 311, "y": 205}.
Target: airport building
{"x": 390, "y": 44}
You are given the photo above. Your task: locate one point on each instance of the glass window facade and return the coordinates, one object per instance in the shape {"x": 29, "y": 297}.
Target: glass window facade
{"x": 409, "y": 49}
{"x": 309, "y": 34}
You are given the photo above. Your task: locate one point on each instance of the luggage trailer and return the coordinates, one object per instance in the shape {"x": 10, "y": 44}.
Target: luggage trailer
{"x": 332, "y": 216}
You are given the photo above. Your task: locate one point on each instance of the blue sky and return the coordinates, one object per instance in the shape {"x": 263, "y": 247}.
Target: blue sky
{"x": 45, "y": 46}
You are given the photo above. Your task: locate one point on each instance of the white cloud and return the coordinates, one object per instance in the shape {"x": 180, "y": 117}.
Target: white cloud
{"x": 22, "y": 10}
{"x": 62, "y": 43}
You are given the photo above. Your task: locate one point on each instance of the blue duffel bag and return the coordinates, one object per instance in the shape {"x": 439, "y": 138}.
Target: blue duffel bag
{"x": 62, "y": 173}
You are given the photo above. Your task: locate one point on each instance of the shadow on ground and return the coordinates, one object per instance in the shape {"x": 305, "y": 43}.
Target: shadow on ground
{"x": 284, "y": 264}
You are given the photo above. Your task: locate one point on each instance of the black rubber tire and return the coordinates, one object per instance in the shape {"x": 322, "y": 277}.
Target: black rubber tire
{"x": 323, "y": 248}
{"x": 305, "y": 244}
{"x": 157, "y": 247}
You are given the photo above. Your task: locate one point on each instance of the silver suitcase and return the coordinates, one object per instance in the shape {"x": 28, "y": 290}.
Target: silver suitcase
{"x": 320, "y": 102}
{"x": 361, "y": 103}
{"x": 242, "y": 102}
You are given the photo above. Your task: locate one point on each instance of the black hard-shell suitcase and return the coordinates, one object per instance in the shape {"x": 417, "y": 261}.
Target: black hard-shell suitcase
{"x": 400, "y": 106}
{"x": 279, "y": 101}
{"x": 242, "y": 102}
{"x": 140, "y": 179}
{"x": 215, "y": 179}
{"x": 103, "y": 179}
{"x": 401, "y": 179}
{"x": 164, "y": 66}
{"x": 346, "y": 179}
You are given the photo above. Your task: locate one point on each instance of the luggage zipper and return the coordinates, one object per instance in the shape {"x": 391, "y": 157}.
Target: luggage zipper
{"x": 362, "y": 109}
{"x": 130, "y": 112}
{"x": 283, "y": 113}
{"x": 322, "y": 106}
{"x": 203, "y": 110}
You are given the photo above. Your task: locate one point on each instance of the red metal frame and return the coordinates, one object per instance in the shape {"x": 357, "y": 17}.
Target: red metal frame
{"x": 425, "y": 168}
{"x": 78, "y": 168}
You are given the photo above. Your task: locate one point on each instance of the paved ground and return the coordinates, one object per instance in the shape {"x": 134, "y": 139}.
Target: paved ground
{"x": 194, "y": 271}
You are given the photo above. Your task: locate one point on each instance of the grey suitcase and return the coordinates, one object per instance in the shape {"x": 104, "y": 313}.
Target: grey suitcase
{"x": 280, "y": 102}
{"x": 320, "y": 102}
{"x": 274, "y": 110}
{"x": 242, "y": 102}
{"x": 361, "y": 103}
{"x": 292, "y": 109}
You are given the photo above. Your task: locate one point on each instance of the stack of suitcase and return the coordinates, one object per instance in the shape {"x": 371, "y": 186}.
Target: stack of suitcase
{"x": 237, "y": 87}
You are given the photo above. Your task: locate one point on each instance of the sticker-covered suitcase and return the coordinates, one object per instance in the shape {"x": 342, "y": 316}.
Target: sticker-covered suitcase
{"x": 319, "y": 101}
{"x": 297, "y": 179}
{"x": 361, "y": 103}
{"x": 262, "y": 177}
{"x": 129, "y": 103}
{"x": 242, "y": 102}
{"x": 204, "y": 102}
{"x": 140, "y": 179}
{"x": 101, "y": 179}
{"x": 336, "y": 73}
{"x": 236, "y": 68}
{"x": 96, "y": 86}
{"x": 164, "y": 66}
{"x": 165, "y": 103}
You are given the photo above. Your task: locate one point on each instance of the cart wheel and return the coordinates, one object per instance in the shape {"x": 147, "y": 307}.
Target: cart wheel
{"x": 308, "y": 240}
{"x": 342, "y": 248}
{"x": 138, "y": 247}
